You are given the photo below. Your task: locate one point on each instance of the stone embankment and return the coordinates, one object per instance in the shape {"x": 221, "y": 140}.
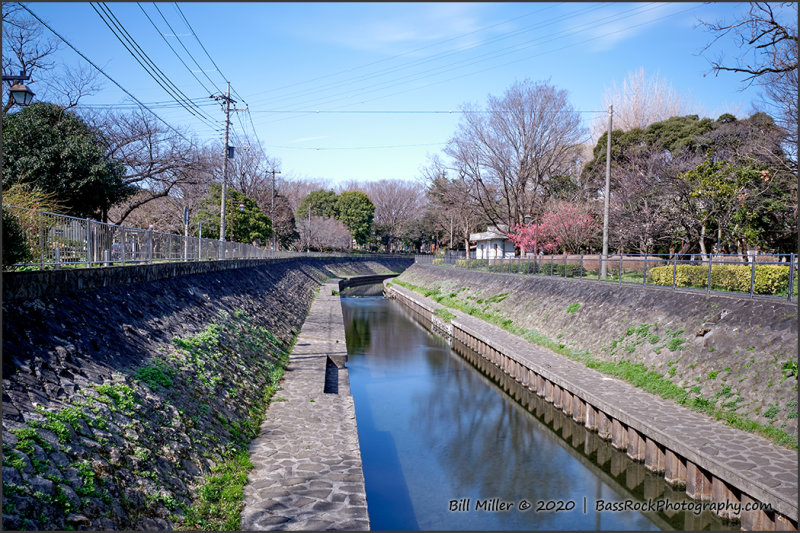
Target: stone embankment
{"x": 123, "y": 391}
{"x": 742, "y": 476}
{"x": 736, "y": 353}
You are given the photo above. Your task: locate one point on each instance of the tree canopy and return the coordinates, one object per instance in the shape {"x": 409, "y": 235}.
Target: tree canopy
{"x": 48, "y": 148}
{"x": 683, "y": 180}
{"x": 249, "y": 224}
{"x": 356, "y": 211}
{"x": 322, "y": 202}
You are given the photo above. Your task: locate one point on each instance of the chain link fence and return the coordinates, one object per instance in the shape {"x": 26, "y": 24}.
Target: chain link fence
{"x": 763, "y": 274}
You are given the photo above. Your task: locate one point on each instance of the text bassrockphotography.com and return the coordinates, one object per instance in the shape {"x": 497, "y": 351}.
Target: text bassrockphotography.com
{"x": 494, "y": 505}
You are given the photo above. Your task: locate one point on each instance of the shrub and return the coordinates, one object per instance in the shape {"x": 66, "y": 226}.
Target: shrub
{"x": 471, "y": 263}
{"x": 769, "y": 279}
{"x": 15, "y": 244}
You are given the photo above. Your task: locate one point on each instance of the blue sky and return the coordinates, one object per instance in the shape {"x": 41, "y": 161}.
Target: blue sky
{"x": 332, "y": 88}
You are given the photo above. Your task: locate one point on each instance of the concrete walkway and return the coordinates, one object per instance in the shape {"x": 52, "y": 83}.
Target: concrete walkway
{"x": 308, "y": 473}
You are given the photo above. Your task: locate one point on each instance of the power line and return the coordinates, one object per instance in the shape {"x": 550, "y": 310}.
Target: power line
{"x": 186, "y": 49}
{"x": 123, "y": 89}
{"x": 360, "y": 147}
{"x": 428, "y": 73}
{"x": 146, "y": 63}
{"x": 392, "y": 111}
{"x": 408, "y": 52}
{"x": 178, "y": 7}
{"x": 384, "y": 72}
{"x": 173, "y": 49}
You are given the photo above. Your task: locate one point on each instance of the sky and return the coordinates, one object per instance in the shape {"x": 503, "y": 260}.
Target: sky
{"x": 369, "y": 91}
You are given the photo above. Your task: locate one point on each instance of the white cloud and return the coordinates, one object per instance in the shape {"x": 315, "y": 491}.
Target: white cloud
{"x": 399, "y": 28}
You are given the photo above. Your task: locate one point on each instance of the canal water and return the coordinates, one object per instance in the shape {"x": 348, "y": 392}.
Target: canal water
{"x": 451, "y": 444}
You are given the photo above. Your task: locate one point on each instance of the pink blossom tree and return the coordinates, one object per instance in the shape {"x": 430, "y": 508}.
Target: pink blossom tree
{"x": 532, "y": 238}
{"x": 564, "y": 226}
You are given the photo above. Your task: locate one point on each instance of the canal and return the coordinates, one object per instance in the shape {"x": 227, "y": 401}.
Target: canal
{"x": 448, "y": 443}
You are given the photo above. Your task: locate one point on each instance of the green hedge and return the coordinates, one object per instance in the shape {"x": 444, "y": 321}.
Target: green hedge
{"x": 769, "y": 279}
{"x": 471, "y": 263}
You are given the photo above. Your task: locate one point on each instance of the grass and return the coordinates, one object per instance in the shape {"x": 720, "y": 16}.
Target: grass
{"x": 635, "y": 373}
{"x": 444, "y": 314}
{"x": 221, "y": 499}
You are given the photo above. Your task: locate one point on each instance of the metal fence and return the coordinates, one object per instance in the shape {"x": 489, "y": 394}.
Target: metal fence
{"x": 60, "y": 241}
{"x": 767, "y": 274}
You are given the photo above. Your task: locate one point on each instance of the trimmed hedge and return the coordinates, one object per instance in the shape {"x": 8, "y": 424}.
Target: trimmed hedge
{"x": 769, "y": 279}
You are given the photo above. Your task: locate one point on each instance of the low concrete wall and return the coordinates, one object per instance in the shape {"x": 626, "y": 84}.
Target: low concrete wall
{"x": 357, "y": 281}
{"x": 713, "y": 462}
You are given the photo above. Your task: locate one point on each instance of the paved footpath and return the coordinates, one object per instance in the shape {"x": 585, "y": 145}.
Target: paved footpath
{"x": 307, "y": 464}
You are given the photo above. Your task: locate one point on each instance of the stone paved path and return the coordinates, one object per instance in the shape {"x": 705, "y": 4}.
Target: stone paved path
{"x": 308, "y": 473}
{"x": 762, "y": 469}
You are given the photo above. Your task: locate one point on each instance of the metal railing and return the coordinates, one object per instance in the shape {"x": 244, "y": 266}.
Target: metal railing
{"x": 61, "y": 241}
{"x": 774, "y": 275}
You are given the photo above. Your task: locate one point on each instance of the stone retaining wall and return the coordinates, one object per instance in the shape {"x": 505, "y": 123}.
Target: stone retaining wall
{"x": 710, "y": 461}
{"x": 118, "y": 400}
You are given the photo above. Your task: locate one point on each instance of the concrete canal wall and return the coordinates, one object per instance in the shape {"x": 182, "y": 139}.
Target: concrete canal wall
{"x": 122, "y": 390}
{"x": 735, "y": 352}
{"x": 745, "y": 476}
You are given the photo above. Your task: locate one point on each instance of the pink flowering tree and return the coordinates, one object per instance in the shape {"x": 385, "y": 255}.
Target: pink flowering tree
{"x": 533, "y": 238}
{"x": 572, "y": 225}
{"x": 564, "y": 226}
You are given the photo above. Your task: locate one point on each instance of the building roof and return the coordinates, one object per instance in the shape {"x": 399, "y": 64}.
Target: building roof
{"x": 491, "y": 233}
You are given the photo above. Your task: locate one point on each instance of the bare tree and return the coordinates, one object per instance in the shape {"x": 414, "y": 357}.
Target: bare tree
{"x": 768, "y": 44}
{"x": 508, "y": 153}
{"x": 397, "y": 203}
{"x": 295, "y": 189}
{"x": 250, "y": 172}
{"x": 156, "y": 159}
{"x": 323, "y": 234}
{"x": 26, "y": 50}
{"x": 450, "y": 206}
{"x": 639, "y": 102}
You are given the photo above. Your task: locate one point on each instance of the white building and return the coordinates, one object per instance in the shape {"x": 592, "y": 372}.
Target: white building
{"x": 492, "y": 243}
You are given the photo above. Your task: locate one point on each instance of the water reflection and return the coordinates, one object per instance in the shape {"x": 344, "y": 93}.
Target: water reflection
{"x": 432, "y": 430}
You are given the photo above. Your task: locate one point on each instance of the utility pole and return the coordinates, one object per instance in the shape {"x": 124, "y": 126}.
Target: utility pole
{"x": 604, "y": 261}
{"x": 308, "y": 245}
{"x": 272, "y": 209}
{"x": 227, "y": 100}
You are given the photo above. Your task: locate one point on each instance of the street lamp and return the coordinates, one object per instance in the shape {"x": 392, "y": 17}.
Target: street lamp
{"x": 20, "y": 94}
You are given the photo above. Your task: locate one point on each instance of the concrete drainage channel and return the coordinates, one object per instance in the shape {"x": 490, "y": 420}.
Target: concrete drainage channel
{"x": 741, "y": 476}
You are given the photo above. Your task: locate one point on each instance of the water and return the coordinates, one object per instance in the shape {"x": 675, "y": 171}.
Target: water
{"x": 437, "y": 437}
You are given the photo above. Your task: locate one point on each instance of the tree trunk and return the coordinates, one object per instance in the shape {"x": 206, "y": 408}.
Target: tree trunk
{"x": 703, "y": 252}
